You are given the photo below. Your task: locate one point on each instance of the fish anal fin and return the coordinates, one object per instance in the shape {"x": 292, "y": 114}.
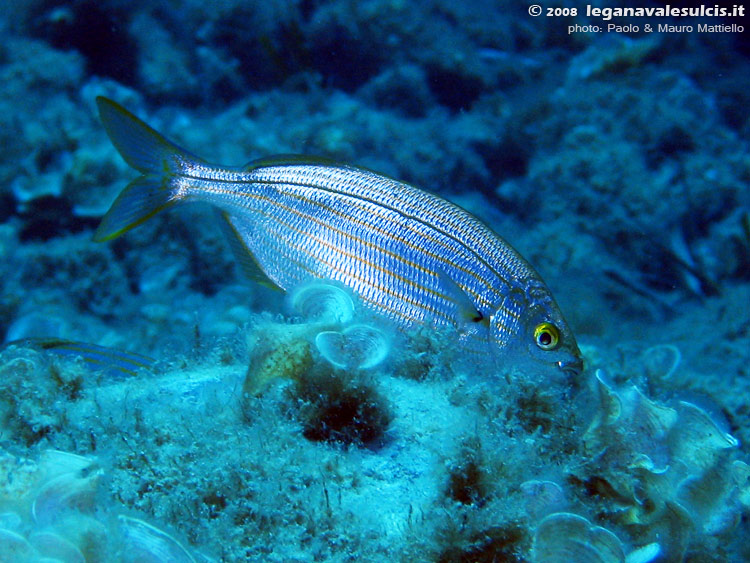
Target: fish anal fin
{"x": 244, "y": 256}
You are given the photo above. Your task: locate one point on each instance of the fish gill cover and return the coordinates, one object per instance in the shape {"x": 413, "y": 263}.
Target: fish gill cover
{"x": 155, "y": 405}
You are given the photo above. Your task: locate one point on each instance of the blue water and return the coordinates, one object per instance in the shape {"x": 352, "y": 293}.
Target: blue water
{"x": 615, "y": 161}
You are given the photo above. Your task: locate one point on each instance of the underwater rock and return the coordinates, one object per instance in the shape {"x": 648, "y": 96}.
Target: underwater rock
{"x": 10, "y": 521}
{"x": 163, "y": 68}
{"x": 667, "y": 470}
{"x": 34, "y": 324}
{"x": 57, "y": 516}
{"x": 612, "y": 54}
{"x": 52, "y": 500}
{"x": 39, "y": 186}
{"x": 91, "y": 180}
{"x": 402, "y": 88}
{"x": 741, "y": 474}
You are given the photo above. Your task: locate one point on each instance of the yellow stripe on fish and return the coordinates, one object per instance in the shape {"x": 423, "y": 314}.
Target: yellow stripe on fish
{"x": 407, "y": 254}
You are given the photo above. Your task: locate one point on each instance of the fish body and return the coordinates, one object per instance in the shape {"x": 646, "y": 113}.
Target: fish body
{"x": 110, "y": 362}
{"x": 407, "y": 254}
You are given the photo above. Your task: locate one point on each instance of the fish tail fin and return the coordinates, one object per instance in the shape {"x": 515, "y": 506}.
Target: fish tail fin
{"x": 156, "y": 158}
{"x": 141, "y": 199}
{"x": 141, "y": 146}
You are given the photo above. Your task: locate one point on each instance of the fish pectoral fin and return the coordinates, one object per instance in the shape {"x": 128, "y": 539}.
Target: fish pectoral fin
{"x": 466, "y": 311}
{"x": 234, "y": 233}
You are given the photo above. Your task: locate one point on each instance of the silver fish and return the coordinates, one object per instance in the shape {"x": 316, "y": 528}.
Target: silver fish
{"x": 405, "y": 253}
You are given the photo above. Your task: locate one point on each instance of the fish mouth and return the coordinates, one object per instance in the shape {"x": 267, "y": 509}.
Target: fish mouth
{"x": 573, "y": 366}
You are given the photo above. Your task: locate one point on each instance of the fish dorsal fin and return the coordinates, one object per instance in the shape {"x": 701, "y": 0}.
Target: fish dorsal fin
{"x": 466, "y": 311}
{"x": 289, "y": 160}
{"x": 245, "y": 258}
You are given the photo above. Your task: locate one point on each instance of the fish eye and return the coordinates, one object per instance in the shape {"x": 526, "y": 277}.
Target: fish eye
{"x": 546, "y": 336}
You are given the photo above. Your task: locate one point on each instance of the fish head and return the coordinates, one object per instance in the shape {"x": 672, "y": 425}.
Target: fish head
{"x": 531, "y": 327}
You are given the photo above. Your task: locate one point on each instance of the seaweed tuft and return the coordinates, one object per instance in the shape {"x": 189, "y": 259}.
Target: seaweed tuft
{"x": 494, "y": 545}
{"x": 341, "y": 410}
{"x": 467, "y": 481}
